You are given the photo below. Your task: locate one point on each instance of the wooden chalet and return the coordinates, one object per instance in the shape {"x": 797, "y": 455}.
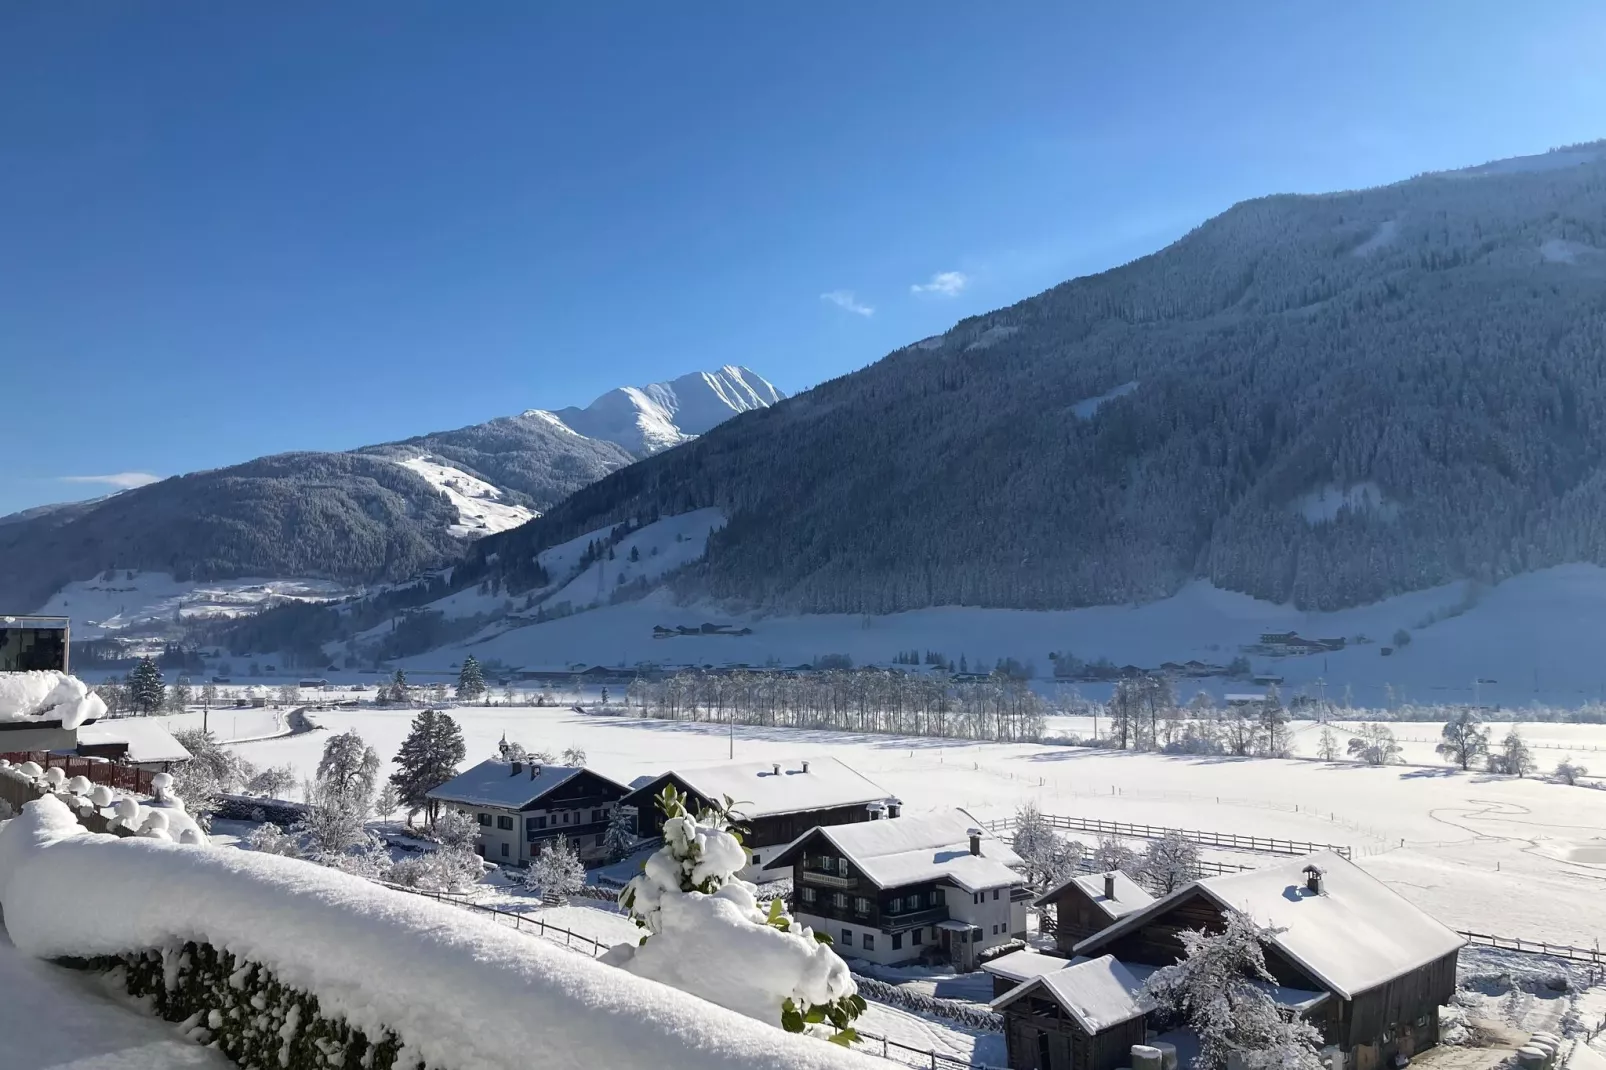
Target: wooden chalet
{"x": 521, "y": 805}
{"x": 1085, "y": 1016}
{"x": 1092, "y": 902}
{"x": 777, "y": 801}
{"x": 1355, "y": 959}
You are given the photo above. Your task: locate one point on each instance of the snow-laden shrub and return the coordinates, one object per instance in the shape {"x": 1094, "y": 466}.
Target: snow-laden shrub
{"x": 557, "y": 871}
{"x": 968, "y": 1015}
{"x": 243, "y": 1009}
{"x": 706, "y": 935}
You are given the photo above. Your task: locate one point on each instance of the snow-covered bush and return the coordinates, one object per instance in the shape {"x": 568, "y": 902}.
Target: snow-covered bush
{"x": 1170, "y": 862}
{"x": 1569, "y": 771}
{"x": 620, "y": 838}
{"x": 1214, "y": 990}
{"x": 1375, "y": 745}
{"x": 556, "y": 872}
{"x": 705, "y": 933}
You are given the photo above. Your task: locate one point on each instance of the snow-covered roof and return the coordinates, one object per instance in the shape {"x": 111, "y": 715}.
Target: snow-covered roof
{"x": 1025, "y": 964}
{"x": 1353, "y": 936}
{"x": 43, "y": 696}
{"x": 495, "y": 782}
{"x": 1129, "y": 894}
{"x": 897, "y": 851}
{"x": 147, "y": 740}
{"x": 1098, "y": 993}
{"x": 801, "y": 785}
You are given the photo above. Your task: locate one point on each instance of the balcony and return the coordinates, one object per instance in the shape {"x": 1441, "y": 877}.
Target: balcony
{"x": 828, "y": 880}
{"x": 913, "y": 919}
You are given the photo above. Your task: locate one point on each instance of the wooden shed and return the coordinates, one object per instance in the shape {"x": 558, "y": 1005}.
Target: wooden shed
{"x": 1086, "y": 1016}
{"x": 1385, "y": 965}
{"x": 1084, "y": 905}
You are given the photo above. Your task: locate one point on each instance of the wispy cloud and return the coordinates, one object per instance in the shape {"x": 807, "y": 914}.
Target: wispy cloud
{"x": 844, "y": 299}
{"x": 943, "y": 284}
{"x": 120, "y": 480}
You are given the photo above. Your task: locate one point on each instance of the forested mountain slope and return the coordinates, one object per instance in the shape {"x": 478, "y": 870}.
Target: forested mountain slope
{"x": 381, "y": 513}
{"x": 1323, "y": 399}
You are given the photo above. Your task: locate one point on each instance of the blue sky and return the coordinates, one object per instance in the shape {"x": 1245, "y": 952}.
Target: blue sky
{"x": 229, "y": 230}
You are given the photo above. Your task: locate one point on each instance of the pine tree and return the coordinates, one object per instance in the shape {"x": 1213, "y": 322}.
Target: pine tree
{"x": 398, "y": 687}
{"x": 145, "y": 688}
{"x": 470, "y": 681}
{"x": 427, "y": 759}
{"x": 620, "y": 838}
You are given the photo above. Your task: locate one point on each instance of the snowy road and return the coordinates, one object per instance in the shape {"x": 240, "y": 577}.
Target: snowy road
{"x": 54, "y": 1019}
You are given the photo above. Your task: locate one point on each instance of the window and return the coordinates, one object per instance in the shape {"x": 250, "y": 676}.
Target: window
{"x": 914, "y": 937}
{"x": 538, "y": 822}
{"x": 847, "y": 937}
{"x": 565, "y": 817}
{"x": 839, "y": 900}
{"x": 995, "y": 895}
{"x": 975, "y": 898}
{"x": 600, "y": 837}
{"x": 897, "y": 941}
{"x": 869, "y": 942}
{"x": 861, "y": 905}
{"x": 938, "y": 897}
{"x": 1042, "y": 1049}
{"x": 599, "y": 815}
{"x": 808, "y": 894}
{"x": 484, "y": 819}
{"x": 504, "y": 850}
{"x": 843, "y": 869}
{"x": 756, "y": 859}
{"x": 504, "y": 822}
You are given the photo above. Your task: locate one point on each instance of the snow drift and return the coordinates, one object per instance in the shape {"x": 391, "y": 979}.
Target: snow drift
{"x": 48, "y": 695}
{"x": 457, "y": 990}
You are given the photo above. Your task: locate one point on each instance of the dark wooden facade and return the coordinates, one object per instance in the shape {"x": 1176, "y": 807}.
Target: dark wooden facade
{"x": 1398, "y": 1017}
{"x": 772, "y": 830}
{"x": 1039, "y": 1034}
{"x": 1076, "y": 916}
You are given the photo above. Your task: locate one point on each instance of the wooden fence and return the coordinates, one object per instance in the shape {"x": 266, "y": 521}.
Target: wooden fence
{"x": 1230, "y": 840}
{"x": 113, "y": 775}
{"x": 890, "y": 1049}
{"x": 1594, "y": 956}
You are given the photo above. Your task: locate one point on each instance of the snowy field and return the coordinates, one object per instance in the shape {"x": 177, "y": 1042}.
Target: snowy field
{"x": 1530, "y": 639}
{"x": 1520, "y": 858}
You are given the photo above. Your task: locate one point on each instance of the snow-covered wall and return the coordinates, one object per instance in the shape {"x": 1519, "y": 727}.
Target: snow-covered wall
{"x": 459, "y": 991}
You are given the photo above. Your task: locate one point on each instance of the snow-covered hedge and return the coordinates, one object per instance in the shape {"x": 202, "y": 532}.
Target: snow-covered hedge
{"x": 457, "y": 991}
{"x": 956, "y": 1011}
{"x": 48, "y": 695}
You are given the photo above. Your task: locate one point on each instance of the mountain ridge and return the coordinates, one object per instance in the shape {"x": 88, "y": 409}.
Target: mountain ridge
{"x": 380, "y": 513}
{"x": 1317, "y": 399}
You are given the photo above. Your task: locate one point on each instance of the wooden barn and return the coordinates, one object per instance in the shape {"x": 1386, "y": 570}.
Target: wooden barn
{"x": 1379, "y": 966}
{"x": 1085, "y": 1016}
{"x": 1090, "y": 903}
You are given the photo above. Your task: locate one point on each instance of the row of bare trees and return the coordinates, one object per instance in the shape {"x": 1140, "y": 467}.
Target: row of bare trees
{"x": 997, "y": 708}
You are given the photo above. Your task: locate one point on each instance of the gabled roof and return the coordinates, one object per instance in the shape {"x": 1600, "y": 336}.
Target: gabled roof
{"x": 759, "y": 791}
{"x": 1099, "y": 993}
{"x": 147, "y": 739}
{"x": 495, "y": 783}
{"x": 1129, "y": 894}
{"x": 1355, "y": 935}
{"x": 897, "y": 851}
{"x": 1026, "y": 964}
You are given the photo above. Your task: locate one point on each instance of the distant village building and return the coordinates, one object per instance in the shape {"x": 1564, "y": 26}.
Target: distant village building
{"x": 898, "y": 890}
{"x": 522, "y": 805}
{"x": 1090, "y": 903}
{"x": 777, "y": 801}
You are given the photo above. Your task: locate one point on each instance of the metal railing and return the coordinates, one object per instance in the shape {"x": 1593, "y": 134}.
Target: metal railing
{"x": 1231, "y": 840}
{"x": 893, "y": 1051}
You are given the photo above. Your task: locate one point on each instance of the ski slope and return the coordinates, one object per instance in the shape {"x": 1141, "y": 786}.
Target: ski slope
{"x": 479, "y": 505}
{"x": 1486, "y": 853}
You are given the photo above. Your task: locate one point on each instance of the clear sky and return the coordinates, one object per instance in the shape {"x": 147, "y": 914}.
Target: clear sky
{"x": 234, "y": 229}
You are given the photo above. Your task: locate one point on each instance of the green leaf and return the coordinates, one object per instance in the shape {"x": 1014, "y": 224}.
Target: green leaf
{"x": 823, "y": 938}
{"x": 775, "y": 909}
{"x": 815, "y": 1016}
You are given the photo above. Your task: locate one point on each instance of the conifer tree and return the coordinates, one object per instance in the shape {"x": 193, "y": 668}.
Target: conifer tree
{"x": 470, "y": 680}
{"x": 427, "y": 759}
{"x": 145, "y": 688}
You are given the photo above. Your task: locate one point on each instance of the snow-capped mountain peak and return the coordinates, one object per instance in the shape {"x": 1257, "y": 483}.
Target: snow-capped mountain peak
{"x": 647, "y": 419}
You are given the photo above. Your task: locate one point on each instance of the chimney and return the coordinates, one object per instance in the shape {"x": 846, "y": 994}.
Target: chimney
{"x": 894, "y": 807}
{"x": 975, "y": 841}
{"x": 1313, "y": 879}
{"x": 535, "y": 769}
{"x": 776, "y": 769}
{"x": 1109, "y": 887}
{"x": 805, "y": 766}
{"x": 877, "y": 810}
{"x": 518, "y": 767}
